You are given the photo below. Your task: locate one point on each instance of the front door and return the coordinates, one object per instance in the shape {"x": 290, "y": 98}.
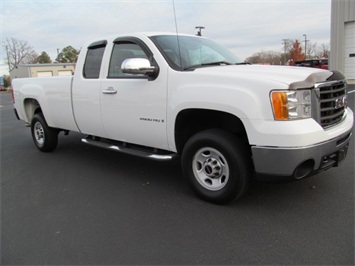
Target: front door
{"x": 133, "y": 107}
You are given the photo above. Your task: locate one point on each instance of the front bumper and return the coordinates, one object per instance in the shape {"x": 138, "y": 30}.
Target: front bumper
{"x": 299, "y": 162}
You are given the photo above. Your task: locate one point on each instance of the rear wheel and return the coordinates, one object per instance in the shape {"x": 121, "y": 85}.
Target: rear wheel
{"x": 218, "y": 166}
{"x": 44, "y": 137}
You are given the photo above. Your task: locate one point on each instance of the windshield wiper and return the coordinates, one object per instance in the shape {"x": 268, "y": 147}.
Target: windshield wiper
{"x": 243, "y": 63}
{"x": 218, "y": 63}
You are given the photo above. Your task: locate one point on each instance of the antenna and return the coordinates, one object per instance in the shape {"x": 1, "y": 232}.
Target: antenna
{"x": 177, "y": 36}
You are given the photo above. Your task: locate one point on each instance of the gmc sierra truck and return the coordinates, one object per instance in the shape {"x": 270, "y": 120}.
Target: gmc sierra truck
{"x": 161, "y": 96}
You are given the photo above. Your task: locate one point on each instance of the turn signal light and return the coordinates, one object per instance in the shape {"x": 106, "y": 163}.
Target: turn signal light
{"x": 279, "y": 103}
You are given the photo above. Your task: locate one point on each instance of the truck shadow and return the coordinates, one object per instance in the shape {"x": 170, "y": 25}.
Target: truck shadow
{"x": 166, "y": 178}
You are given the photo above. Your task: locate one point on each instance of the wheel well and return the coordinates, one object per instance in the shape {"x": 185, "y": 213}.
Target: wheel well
{"x": 191, "y": 121}
{"x": 31, "y": 107}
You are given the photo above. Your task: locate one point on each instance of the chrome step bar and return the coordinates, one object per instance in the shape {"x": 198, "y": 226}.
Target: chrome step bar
{"x": 163, "y": 156}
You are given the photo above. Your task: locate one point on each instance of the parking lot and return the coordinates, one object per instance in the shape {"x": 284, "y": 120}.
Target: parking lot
{"x": 85, "y": 205}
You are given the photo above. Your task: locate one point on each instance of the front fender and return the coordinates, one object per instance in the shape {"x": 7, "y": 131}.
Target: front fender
{"x": 245, "y": 99}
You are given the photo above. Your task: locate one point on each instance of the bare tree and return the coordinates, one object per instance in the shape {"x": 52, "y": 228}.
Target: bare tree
{"x": 266, "y": 57}
{"x": 323, "y": 51}
{"x": 18, "y": 52}
{"x": 292, "y": 51}
{"x": 311, "y": 49}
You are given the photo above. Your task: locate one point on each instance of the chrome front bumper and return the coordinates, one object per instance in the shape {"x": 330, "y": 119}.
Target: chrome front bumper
{"x": 299, "y": 162}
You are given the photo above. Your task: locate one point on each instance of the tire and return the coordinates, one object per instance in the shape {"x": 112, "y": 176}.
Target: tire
{"x": 217, "y": 164}
{"x": 44, "y": 137}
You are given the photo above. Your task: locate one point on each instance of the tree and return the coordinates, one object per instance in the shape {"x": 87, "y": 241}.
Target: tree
{"x": 311, "y": 49}
{"x": 43, "y": 58}
{"x": 265, "y": 57}
{"x": 18, "y": 52}
{"x": 287, "y": 46}
{"x": 7, "y": 81}
{"x": 323, "y": 51}
{"x": 296, "y": 53}
{"x": 68, "y": 55}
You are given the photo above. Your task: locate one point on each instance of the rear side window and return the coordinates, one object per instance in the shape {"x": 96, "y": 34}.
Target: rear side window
{"x": 93, "y": 60}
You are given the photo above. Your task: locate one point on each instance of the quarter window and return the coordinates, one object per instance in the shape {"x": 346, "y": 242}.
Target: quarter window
{"x": 93, "y": 60}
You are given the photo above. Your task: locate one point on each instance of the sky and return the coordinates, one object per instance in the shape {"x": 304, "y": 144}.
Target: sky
{"x": 244, "y": 26}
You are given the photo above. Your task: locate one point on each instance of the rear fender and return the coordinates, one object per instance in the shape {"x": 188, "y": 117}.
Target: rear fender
{"x": 31, "y": 107}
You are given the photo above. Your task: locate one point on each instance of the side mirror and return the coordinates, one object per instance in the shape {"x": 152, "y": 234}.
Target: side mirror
{"x": 138, "y": 66}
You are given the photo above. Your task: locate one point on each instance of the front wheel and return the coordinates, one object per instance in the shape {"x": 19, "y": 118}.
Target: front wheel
{"x": 44, "y": 137}
{"x": 218, "y": 166}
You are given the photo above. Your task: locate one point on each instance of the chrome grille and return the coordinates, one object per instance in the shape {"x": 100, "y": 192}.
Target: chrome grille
{"x": 332, "y": 97}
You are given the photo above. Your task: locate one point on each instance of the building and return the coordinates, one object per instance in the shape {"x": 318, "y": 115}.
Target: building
{"x": 42, "y": 70}
{"x": 342, "y": 38}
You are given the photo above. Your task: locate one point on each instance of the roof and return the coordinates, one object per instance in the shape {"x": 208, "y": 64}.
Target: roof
{"x": 45, "y": 65}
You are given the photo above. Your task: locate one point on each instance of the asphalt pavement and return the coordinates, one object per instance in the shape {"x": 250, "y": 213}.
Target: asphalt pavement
{"x": 82, "y": 205}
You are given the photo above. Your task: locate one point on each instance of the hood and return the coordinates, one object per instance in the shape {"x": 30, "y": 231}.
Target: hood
{"x": 294, "y": 77}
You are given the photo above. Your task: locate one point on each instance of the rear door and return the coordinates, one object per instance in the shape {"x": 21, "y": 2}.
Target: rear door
{"x": 87, "y": 92}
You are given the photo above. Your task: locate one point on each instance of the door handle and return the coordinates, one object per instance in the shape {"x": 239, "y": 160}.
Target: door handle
{"x": 109, "y": 90}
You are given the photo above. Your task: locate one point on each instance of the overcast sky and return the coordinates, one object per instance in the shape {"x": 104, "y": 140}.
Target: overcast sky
{"x": 244, "y": 26}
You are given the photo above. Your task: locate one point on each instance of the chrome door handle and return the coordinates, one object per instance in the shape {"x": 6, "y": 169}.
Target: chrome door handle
{"x": 109, "y": 90}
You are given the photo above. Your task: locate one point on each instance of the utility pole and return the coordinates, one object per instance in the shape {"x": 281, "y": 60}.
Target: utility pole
{"x": 284, "y": 42}
{"x": 305, "y": 45}
{"x": 57, "y": 55}
{"x": 199, "y": 33}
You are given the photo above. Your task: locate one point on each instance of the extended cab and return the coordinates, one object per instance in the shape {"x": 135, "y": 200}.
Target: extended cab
{"x": 163, "y": 95}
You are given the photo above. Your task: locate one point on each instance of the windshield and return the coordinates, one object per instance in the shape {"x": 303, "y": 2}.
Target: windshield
{"x": 194, "y": 52}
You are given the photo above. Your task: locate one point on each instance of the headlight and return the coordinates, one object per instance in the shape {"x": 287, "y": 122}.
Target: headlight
{"x": 289, "y": 105}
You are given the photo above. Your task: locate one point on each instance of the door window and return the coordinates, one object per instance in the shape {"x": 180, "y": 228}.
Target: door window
{"x": 121, "y": 52}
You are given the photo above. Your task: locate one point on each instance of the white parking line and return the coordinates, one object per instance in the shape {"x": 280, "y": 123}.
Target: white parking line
{"x": 350, "y": 92}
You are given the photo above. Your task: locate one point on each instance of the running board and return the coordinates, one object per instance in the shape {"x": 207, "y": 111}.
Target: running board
{"x": 114, "y": 146}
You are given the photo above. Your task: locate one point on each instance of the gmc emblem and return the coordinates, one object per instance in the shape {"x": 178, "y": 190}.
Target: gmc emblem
{"x": 340, "y": 102}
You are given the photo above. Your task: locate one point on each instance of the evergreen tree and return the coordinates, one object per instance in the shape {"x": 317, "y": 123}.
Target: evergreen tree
{"x": 43, "y": 58}
{"x": 68, "y": 55}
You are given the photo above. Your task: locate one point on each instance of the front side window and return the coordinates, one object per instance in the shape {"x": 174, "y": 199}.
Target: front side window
{"x": 122, "y": 51}
{"x": 93, "y": 60}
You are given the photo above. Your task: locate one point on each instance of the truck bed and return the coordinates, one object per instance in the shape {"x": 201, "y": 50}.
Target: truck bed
{"x": 53, "y": 95}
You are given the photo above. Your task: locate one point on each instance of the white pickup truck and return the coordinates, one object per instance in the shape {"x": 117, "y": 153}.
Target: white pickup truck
{"x": 163, "y": 95}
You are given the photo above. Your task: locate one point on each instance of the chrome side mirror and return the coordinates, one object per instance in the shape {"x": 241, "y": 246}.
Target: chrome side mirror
{"x": 138, "y": 66}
